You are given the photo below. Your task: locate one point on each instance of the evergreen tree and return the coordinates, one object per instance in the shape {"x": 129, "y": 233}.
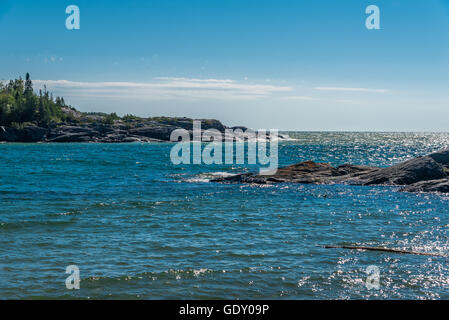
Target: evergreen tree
{"x": 28, "y": 84}
{"x": 19, "y": 104}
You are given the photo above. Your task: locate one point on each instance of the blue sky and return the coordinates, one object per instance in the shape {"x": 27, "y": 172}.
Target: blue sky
{"x": 291, "y": 65}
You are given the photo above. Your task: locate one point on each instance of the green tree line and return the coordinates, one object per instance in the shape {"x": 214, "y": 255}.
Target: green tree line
{"x": 19, "y": 104}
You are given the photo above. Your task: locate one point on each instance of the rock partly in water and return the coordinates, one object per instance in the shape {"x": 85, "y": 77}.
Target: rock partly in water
{"x": 424, "y": 174}
{"x": 30, "y": 133}
{"x": 442, "y": 157}
{"x": 406, "y": 173}
{"x": 441, "y": 186}
{"x": 305, "y": 172}
{"x": 71, "y": 137}
{"x": 96, "y": 130}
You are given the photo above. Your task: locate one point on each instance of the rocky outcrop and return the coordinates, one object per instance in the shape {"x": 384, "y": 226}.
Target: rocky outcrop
{"x": 154, "y": 131}
{"x": 441, "y": 185}
{"x": 30, "y": 133}
{"x": 424, "y": 174}
{"x": 305, "y": 172}
{"x": 137, "y": 130}
{"x": 442, "y": 157}
{"x": 409, "y": 172}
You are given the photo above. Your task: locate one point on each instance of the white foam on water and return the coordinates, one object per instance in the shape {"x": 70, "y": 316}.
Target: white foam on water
{"x": 280, "y": 137}
{"x": 206, "y": 177}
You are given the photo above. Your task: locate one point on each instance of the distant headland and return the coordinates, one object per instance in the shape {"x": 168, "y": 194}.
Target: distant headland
{"x": 27, "y": 116}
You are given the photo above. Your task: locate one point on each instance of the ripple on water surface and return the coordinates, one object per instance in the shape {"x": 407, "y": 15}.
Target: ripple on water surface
{"x": 139, "y": 227}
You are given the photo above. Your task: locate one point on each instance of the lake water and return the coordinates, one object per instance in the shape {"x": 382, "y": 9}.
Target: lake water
{"x": 138, "y": 226}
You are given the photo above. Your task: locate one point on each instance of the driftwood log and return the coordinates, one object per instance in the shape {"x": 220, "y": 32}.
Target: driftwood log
{"x": 382, "y": 249}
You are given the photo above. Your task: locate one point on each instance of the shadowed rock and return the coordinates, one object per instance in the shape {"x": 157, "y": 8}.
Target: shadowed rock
{"x": 30, "y": 133}
{"x": 442, "y": 157}
{"x": 441, "y": 185}
{"x": 409, "y": 172}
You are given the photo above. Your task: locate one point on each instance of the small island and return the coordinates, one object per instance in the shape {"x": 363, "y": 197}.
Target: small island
{"x": 27, "y": 116}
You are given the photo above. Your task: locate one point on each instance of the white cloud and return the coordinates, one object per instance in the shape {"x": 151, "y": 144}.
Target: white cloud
{"x": 300, "y": 98}
{"x": 164, "y": 88}
{"x": 352, "y": 89}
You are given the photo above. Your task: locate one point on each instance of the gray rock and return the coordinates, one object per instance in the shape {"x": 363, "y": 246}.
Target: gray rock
{"x": 305, "y": 172}
{"x": 442, "y": 157}
{"x": 419, "y": 169}
{"x": 207, "y": 124}
{"x": 422, "y": 174}
{"x": 160, "y": 132}
{"x": 29, "y": 133}
{"x": 71, "y": 137}
{"x": 131, "y": 139}
{"x": 91, "y": 127}
{"x": 441, "y": 185}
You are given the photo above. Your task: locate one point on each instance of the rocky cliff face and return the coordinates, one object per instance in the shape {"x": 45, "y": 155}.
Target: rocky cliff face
{"x": 26, "y": 134}
{"x": 424, "y": 174}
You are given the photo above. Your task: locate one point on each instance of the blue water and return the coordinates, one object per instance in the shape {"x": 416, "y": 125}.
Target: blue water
{"x": 140, "y": 227}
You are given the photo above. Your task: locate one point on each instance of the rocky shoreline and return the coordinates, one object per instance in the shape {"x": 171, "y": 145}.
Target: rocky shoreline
{"x": 28, "y": 116}
{"x": 424, "y": 174}
{"x": 96, "y": 130}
